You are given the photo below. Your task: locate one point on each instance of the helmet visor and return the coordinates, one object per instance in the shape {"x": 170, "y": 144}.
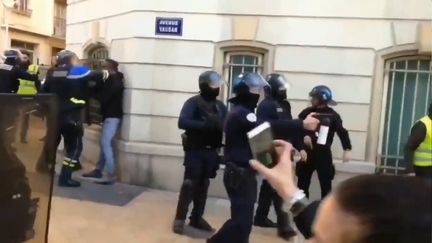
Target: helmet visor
{"x": 255, "y": 82}
{"x": 215, "y": 81}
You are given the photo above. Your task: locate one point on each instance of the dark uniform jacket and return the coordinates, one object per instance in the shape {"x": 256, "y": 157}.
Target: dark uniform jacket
{"x": 9, "y": 78}
{"x": 270, "y": 110}
{"x": 239, "y": 122}
{"x": 203, "y": 122}
{"x": 336, "y": 126}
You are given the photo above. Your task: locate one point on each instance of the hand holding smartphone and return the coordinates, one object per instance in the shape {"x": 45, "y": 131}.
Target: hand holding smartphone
{"x": 262, "y": 146}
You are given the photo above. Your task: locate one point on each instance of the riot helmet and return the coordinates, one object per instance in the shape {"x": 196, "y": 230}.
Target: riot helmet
{"x": 279, "y": 86}
{"x": 209, "y": 84}
{"x": 247, "y": 88}
{"x": 66, "y": 58}
{"x": 322, "y": 95}
{"x": 12, "y": 57}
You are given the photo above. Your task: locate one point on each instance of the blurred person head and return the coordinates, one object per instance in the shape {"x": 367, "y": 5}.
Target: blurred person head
{"x": 321, "y": 96}
{"x": 25, "y": 59}
{"x": 66, "y": 58}
{"x": 376, "y": 209}
{"x": 111, "y": 65}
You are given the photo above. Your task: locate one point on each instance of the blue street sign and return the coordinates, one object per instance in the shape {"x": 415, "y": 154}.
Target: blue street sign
{"x": 169, "y": 26}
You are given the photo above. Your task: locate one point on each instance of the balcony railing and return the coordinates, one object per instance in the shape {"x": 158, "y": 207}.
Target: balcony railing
{"x": 59, "y": 27}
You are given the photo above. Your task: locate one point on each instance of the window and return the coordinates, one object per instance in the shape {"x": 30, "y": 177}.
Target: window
{"x": 95, "y": 61}
{"x": 23, "y": 6}
{"x": 59, "y": 19}
{"x": 240, "y": 62}
{"x": 408, "y": 86}
{"x": 26, "y": 46}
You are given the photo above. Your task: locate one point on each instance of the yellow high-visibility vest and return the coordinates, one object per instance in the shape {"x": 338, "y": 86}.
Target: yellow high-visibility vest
{"x": 423, "y": 154}
{"x": 28, "y": 87}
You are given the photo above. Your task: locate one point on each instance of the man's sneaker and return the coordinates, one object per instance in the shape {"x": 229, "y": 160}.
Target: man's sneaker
{"x": 94, "y": 174}
{"x": 108, "y": 180}
{"x": 201, "y": 224}
{"x": 267, "y": 223}
{"x": 178, "y": 226}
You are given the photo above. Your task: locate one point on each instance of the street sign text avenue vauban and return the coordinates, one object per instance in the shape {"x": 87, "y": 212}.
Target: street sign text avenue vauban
{"x": 169, "y": 26}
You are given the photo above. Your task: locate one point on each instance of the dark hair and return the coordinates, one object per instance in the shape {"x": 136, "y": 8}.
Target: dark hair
{"x": 114, "y": 64}
{"x": 393, "y": 209}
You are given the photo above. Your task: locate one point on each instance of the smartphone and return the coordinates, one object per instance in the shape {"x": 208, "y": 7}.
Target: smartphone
{"x": 261, "y": 144}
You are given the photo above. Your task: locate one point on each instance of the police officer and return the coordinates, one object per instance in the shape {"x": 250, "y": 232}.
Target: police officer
{"x": 27, "y": 87}
{"x": 71, "y": 83}
{"x": 320, "y": 156}
{"x": 202, "y": 117}
{"x": 10, "y": 73}
{"x": 276, "y": 107}
{"x": 418, "y": 150}
{"x": 239, "y": 178}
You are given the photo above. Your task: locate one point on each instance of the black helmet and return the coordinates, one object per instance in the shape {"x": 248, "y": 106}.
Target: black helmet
{"x": 278, "y": 84}
{"x": 65, "y": 57}
{"x": 12, "y": 56}
{"x": 210, "y": 79}
{"x": 324, "y": 94}
{"x": 249, "y": 83}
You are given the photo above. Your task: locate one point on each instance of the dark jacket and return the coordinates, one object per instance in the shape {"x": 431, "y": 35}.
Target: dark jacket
{"x": 111, "y": 96}
{"x": 239, "y": 122}
{"x": 417, "y": 136}
{"x": 9, "y": 78}
{"x": 203, "y": 122}
{"x": 270, "y": 110}
{"x": 72, "y": 86}
{"x": 336, "y": 126}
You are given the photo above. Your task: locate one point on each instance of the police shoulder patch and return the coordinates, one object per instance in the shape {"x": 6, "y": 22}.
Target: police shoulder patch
{"x": 251, "y": 117}
{"x": 77, "y": 72}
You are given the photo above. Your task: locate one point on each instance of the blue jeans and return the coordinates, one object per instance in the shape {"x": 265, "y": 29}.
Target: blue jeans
{"x": 106, "y": 157}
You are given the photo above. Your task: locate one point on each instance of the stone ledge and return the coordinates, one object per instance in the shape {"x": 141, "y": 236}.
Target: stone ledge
{"x": 150, "y": 148}
{"x": 356, "y": 167}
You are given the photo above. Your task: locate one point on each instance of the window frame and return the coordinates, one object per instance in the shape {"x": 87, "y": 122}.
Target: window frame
{"x": 386, "y": 82}
{"x": 228, "y": 65}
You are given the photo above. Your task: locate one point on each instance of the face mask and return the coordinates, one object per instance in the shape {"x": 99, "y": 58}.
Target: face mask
{"x": 282, "y": 95}
{"x": 210, "y": 93}
{"x": 248, "y": 100}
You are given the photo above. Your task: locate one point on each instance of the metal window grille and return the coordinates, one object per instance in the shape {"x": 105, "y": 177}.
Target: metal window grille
{"x": 408, "y": 90}
{"x": 95, "y": 61}
{"x": 237, "y": 63}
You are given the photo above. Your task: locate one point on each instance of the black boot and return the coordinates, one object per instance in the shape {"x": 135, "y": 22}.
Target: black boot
{"x": 285, "y": 231}
{"x": 201, "y": 224}
{"x": 266, "y": 223}
{"x": 178, "y": 226}
{"x": 185, "y": 198}
{"x": 77, "y": 167}
{"x": 65, "y": 178}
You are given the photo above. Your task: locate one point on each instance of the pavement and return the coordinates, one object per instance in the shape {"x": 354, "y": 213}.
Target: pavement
{"x": 116, "y": 213}
{"x": 146, "y": 217}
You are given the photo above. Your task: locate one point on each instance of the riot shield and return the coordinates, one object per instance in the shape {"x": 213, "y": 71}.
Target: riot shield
{"x": 28, "y": 135}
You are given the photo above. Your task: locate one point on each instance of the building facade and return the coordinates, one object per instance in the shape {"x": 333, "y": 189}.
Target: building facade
{"x": 374, "y": 54}
{"x": 37, "y": 26}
